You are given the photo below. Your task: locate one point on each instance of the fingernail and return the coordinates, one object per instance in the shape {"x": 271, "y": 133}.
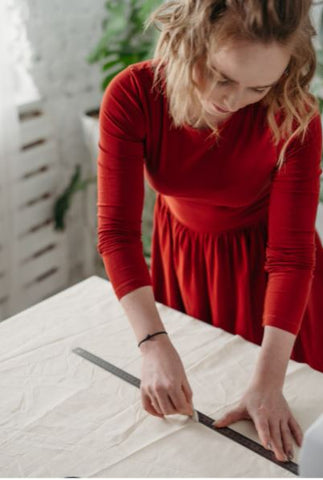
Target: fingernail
{"x": 290, "y": 455}
{"x": 269, "y": 446}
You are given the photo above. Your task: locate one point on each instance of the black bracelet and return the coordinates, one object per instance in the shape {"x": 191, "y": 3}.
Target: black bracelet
{"x": 148, "y": 337}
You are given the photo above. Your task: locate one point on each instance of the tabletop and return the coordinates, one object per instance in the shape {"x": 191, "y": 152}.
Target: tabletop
{"x": 62, "y": 416}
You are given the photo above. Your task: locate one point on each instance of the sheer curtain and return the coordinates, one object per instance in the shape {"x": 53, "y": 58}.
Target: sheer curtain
{"x": 9, "y": 147}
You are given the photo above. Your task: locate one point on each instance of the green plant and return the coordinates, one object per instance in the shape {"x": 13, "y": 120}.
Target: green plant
{"x": 123, "y": 41}
{"x": 63, "y": 202}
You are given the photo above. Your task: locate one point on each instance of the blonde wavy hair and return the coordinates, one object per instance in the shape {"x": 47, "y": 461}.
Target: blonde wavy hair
{"x": 190, "y": 28}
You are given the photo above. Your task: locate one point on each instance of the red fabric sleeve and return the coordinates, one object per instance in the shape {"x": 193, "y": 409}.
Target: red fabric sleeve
{"x": 290, "y": 251}
{"x": 120, "y": 198}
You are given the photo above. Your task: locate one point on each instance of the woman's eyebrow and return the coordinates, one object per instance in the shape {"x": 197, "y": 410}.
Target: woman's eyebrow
{"x": 234, "y": 81}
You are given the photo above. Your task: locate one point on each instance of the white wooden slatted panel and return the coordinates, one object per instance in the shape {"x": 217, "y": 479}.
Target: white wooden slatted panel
{"x": 5, "y": 253}
{"x": 4, "y": 288}
{"x": 33, "y": 216}
{"x": 32, "y": 159}
{"x": 35, "y": 128}
{"x": 33, "y": 242}
{"x": 35, "y": 187}
{"x": 1, "y": 254}
{"x": 40, "y": 253}
{"x": 39, "y": 266}
{"x": 42, "y": 288}
{"x": 2, "y": 310}
{"x": 35, "y": 267}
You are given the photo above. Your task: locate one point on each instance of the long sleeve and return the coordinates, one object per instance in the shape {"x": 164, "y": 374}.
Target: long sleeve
{"x": 120, "y": 198}
{"x": 290, "y": 251}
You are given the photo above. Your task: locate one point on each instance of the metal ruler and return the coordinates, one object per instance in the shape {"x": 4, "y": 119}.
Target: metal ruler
{"x": 202, "y": 418}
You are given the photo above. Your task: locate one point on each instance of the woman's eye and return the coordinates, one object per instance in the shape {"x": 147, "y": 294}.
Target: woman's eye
{"x": 226, "y": 82}
{"x": 259, "y": 91}
{"x": 222, "y": 82}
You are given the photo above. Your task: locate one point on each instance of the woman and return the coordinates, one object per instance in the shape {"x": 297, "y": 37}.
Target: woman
{"x": 223, "y": 125}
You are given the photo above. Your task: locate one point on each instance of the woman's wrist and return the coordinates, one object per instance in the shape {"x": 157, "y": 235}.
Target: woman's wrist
{"x": 266, "y": 382}
{"x": 150, "y": 335}
{"x": 154, "y": 344}
{"x": 272, "y": 362}
{"x": 268, "y": 373}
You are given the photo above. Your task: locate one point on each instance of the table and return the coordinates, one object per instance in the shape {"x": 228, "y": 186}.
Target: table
{"x": 62, "y": 416}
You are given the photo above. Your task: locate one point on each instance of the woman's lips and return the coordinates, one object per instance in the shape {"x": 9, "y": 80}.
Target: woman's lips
{"x": 221, "y": 109}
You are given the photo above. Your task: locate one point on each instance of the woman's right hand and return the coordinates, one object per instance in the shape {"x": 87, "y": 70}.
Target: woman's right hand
{"x": 164, "y": 386}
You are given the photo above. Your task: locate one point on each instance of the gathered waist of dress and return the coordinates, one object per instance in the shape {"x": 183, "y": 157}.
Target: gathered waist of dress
{"x": 208, "y": 218}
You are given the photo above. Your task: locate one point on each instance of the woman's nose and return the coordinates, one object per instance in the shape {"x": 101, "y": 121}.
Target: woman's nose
{"x": 232, "y": 102}
{"x": 230, "y": 105}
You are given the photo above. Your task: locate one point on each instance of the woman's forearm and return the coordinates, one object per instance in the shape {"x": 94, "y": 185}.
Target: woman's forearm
{"x": 276, "y": 348}
{"x": 140, "y": 308}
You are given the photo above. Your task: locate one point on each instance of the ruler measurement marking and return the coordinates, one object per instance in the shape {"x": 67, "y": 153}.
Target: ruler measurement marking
{"x": 204, "y": 419}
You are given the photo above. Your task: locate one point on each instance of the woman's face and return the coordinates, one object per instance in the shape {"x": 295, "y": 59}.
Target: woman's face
{"x": 242, "y": 73}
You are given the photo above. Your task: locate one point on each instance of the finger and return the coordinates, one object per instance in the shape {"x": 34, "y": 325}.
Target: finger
{"x": 262, "y": 427}
{"x": 157, "y": 405}
{"x": 296, "y": 431}
{"x": 148, "y": 406}
{"x": 187, "y": 392}
{"x": 181, "y": 402}
{"x": 163, "y": 400}
{"x": 276, "y": 440}
{"x": 230, "y": 417}
{"x": 287, "y": 439}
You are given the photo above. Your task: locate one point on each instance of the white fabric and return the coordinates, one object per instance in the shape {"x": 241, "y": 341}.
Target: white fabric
{"x": 61, "y": 415}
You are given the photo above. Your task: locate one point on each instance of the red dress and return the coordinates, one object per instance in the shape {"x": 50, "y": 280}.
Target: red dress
{"x": 234, "y": 241}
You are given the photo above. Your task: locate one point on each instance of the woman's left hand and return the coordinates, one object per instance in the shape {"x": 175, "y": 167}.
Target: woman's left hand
{"x": 273, "y": 420}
